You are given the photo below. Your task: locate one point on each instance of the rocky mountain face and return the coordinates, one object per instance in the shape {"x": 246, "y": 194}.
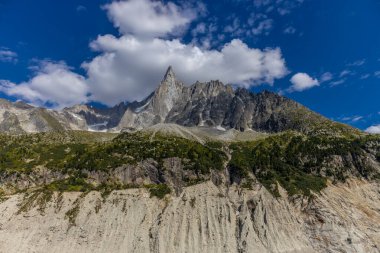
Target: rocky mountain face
{"x": 216, "y": 105}
{"x": 211, "y": 104}
{"x": 155, "y": 108}
{"x": 19, "y": 117}
{"x": 97, "y": 119}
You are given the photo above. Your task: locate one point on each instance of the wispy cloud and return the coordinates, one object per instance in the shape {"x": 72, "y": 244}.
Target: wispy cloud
{"x": 262, "y": 18}
{"x": 290, "y": 30}
{"x": 259, "y": 23}
{"x": 345, "y": 72}
{"x": 81, "y": 8}
{"x": 370, "y": 119}
{"x": 357, "y": 63}
{"x": 353, "y": 119}
{"x": 236, "y": 27}
{"x": 364, "y": 76}
{"x": 205, "y": 34}
{"x": 325, "y": 77}
{"x": 263, "y": 27}
{"x": 282, "y": 7}
{"x": 7, "y": 55}
{"x": 351, "y": 70}
{"x": 338, "y": 82}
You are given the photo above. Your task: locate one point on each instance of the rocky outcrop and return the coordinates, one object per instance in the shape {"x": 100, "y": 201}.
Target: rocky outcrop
{"x": 172, "y": 172}
{"x": 155, "y": 108}
{"x": 203, "y": 218}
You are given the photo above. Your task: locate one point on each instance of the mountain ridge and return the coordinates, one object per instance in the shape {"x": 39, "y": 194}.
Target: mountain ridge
{"x": 208, "y": 104}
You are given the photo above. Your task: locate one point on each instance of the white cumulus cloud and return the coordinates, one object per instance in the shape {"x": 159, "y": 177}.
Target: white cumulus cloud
{"x": 373, "y": 129}
{"x": 129, "y": 68}
{"x": 148, "y": 18}
{"x": 301, "y": 82}
{"x": 53, "y": 83}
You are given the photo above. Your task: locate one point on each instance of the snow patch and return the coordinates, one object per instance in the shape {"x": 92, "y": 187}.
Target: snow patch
{"x": 139, "y": 109}
{"x": 76, "y": 116}
{"x": 99, "y": 127}
{"x": 98, "y": 131}
{"x": 201, "y": 122}
{"x": 220, "y": 128}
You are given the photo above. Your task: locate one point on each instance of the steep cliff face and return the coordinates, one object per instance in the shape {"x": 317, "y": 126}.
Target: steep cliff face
{"x": 203, "y": 218}
{"x": 155, "y": 108}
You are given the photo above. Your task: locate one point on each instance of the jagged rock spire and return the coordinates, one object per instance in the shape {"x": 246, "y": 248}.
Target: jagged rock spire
{"x": 169, "y": 83}
{"x": 169, "y": 78}
{"x": 166, "y": 94}
{"x": 169, "y": 73}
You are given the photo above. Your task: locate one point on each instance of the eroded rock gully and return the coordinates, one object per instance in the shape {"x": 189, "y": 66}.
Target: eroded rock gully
{"x": 203, "y": 218}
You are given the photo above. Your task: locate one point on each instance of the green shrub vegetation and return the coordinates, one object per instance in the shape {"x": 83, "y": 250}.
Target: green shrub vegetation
{"x": 67, "y": 154}
{"x": 298, "y": 162}
{"x": 158, "y": 190}
{"x": 72, "y": 184}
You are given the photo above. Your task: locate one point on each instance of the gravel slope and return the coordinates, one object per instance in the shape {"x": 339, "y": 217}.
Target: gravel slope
{"x": 203, "y": 218}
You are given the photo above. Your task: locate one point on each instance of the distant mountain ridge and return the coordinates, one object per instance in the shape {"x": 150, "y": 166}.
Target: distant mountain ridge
{"x": 211, "y": 104}
{"x": 19, "y": 117}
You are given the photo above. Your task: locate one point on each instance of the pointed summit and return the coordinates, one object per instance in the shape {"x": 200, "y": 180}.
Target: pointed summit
{"x": 170, "y": 82}
{"x": 169, "y": 75}
{"x": 167, "y": 93}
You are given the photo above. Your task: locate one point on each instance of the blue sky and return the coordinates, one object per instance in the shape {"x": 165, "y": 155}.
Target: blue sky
{"x": 324, "y": 54}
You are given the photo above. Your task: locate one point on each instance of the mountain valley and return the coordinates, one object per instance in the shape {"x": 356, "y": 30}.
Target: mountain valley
{"x": 200, "y": 168}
